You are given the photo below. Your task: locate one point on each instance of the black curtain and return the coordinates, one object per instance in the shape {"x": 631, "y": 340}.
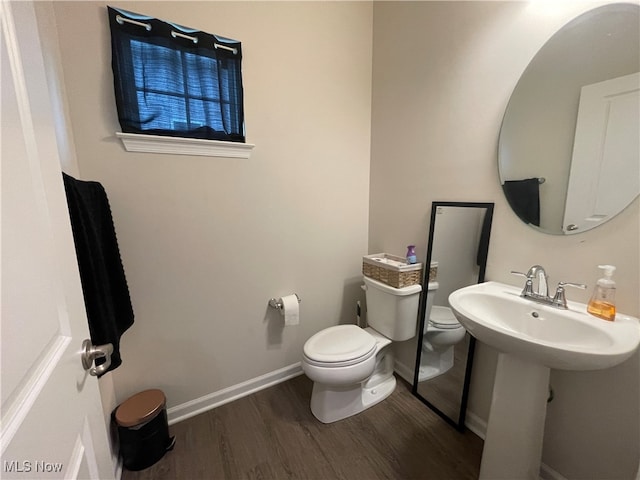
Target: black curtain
{"x": 166, "y": 84}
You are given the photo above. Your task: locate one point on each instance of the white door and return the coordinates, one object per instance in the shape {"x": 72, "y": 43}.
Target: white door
{"x": 605, "y": 167}
{"x": 53, "y": 424}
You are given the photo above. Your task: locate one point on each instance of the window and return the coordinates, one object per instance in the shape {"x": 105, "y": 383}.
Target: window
{"x": 175, "y": 81}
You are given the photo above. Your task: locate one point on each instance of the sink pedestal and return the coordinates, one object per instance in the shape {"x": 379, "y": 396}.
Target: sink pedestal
{"x": 547, "y": 337}
{"x": 515, "y": 431}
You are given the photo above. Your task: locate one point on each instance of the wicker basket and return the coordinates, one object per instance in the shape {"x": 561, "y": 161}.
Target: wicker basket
{"x": 391, "y": 270}
{"x": 433, "y": 272}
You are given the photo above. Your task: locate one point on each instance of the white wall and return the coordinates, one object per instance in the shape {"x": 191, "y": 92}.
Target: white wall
{"x": 442, "y": 76}
{"x": 206, "y": 242}
{"x": 455, "y": 248}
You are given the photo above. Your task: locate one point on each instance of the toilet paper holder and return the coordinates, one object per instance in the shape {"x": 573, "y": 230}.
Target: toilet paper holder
{"x": 277, "y": 304}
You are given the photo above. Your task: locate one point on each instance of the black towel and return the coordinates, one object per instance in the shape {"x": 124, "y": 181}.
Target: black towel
{"x": 524, "y": 198}
{"x": 104, "y": 285}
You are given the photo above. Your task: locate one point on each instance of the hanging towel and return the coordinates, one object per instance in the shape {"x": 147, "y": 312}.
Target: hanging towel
{"x": 104, "y": 285}
{"x": 524, "y": 197}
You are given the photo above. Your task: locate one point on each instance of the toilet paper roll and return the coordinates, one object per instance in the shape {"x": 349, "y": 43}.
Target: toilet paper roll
{"x": 290, "y": 310}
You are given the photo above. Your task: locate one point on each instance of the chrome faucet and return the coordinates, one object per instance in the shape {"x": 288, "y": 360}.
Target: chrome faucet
{"x": 541, "y": 293}
{"x": 536, "y": 272}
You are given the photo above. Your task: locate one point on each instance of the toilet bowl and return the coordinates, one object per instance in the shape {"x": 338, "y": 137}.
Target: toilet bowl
{"x": 352, "y": 367}
{"x": 441, "y": 333}
{"x": 443, "y": 329}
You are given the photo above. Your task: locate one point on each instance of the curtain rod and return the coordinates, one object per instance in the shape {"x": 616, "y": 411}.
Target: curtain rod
{"x": 224, "y": 47}
{"x": 175, "y": 34}
{"x": 120, "y": 19}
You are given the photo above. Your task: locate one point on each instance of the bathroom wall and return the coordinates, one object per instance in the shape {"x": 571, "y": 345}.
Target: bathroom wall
{"x": 455, "y": 248}
{"x": 442, "y": 76}
{"x": 207, "y": 241}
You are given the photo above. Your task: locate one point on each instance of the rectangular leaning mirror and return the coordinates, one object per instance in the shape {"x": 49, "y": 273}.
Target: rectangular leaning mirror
{"x": 456, "y": 257}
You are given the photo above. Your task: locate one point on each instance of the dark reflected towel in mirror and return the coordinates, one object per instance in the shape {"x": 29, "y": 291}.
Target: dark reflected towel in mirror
{"x": 483, "y": 244}
{"x": 524, "y": 198}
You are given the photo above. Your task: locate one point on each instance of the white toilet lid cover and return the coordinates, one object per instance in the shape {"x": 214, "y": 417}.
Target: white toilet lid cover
{"x": 443, "y": 317}
{"x": 339, "y": 344}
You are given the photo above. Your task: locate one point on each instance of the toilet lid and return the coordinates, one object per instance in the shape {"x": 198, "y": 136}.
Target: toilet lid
{"x": 340, "y": 346}
{"x": 443, "y": 317}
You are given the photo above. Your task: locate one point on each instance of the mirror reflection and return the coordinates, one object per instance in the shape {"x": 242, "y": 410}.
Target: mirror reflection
{"x": 457, "y": 254}
{"x": 569, "y": 148}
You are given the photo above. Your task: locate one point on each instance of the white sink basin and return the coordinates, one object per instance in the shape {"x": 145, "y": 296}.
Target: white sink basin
{"x": 570, "y": 339}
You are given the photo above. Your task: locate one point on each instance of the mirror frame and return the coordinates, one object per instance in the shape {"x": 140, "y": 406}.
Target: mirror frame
{"x": 457, "y": 423}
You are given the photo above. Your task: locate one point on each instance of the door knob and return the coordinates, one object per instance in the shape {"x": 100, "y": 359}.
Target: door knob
{"x": 91, "y": 352}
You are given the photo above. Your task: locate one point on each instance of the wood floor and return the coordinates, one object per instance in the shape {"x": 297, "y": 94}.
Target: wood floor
{"x": 273, "y": 435}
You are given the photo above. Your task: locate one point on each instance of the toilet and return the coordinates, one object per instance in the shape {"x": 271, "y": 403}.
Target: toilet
{"x": 352, "y": 367}
{"x": 441, "y": 333}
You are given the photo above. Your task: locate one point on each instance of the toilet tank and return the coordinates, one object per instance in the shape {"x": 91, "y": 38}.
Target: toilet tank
{"x": 393, "y": 312}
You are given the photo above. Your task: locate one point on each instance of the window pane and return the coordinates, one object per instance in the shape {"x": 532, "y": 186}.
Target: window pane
{"x": 159, "y": 111}
{"x": 157, "y": 68}
{"x": 229, "y": 85}
{"x": 202, "y": 76}
{"x": 205, "y": 113}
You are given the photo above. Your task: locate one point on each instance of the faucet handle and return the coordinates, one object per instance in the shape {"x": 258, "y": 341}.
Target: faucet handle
{"x": 581, "y": 286}
{"x": 527, "y": 291}
{"x": 560, "y": 300}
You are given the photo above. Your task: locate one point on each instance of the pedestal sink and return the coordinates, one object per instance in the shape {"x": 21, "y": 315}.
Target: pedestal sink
{"x": 531, "y": 339}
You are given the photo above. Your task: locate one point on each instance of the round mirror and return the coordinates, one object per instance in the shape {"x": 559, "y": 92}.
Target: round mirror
{"x": 569, "y": 148}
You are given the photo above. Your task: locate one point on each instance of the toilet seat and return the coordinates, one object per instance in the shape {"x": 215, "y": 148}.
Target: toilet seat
{"x": 339, "y": 346}
{"x": 443, "y": 318}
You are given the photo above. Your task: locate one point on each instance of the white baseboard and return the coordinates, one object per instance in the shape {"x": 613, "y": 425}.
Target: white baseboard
{"x": 548, "y": 473}
{"x": 199, "y": 405}
{"x": 476, "y": 424}
{"x": 404, "y": 371}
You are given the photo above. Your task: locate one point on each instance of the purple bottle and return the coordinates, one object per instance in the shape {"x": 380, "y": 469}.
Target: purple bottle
{"x": 411, "y": 254}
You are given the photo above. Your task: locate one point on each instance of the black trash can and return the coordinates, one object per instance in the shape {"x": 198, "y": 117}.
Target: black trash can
{"x": 143, "y": 429}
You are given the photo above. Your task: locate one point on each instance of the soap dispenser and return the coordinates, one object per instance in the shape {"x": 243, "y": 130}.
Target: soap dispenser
{"x": 602, "y": 303}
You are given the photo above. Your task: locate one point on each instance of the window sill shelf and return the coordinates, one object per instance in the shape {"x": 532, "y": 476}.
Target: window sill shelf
{"x": 134, "y": 142}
